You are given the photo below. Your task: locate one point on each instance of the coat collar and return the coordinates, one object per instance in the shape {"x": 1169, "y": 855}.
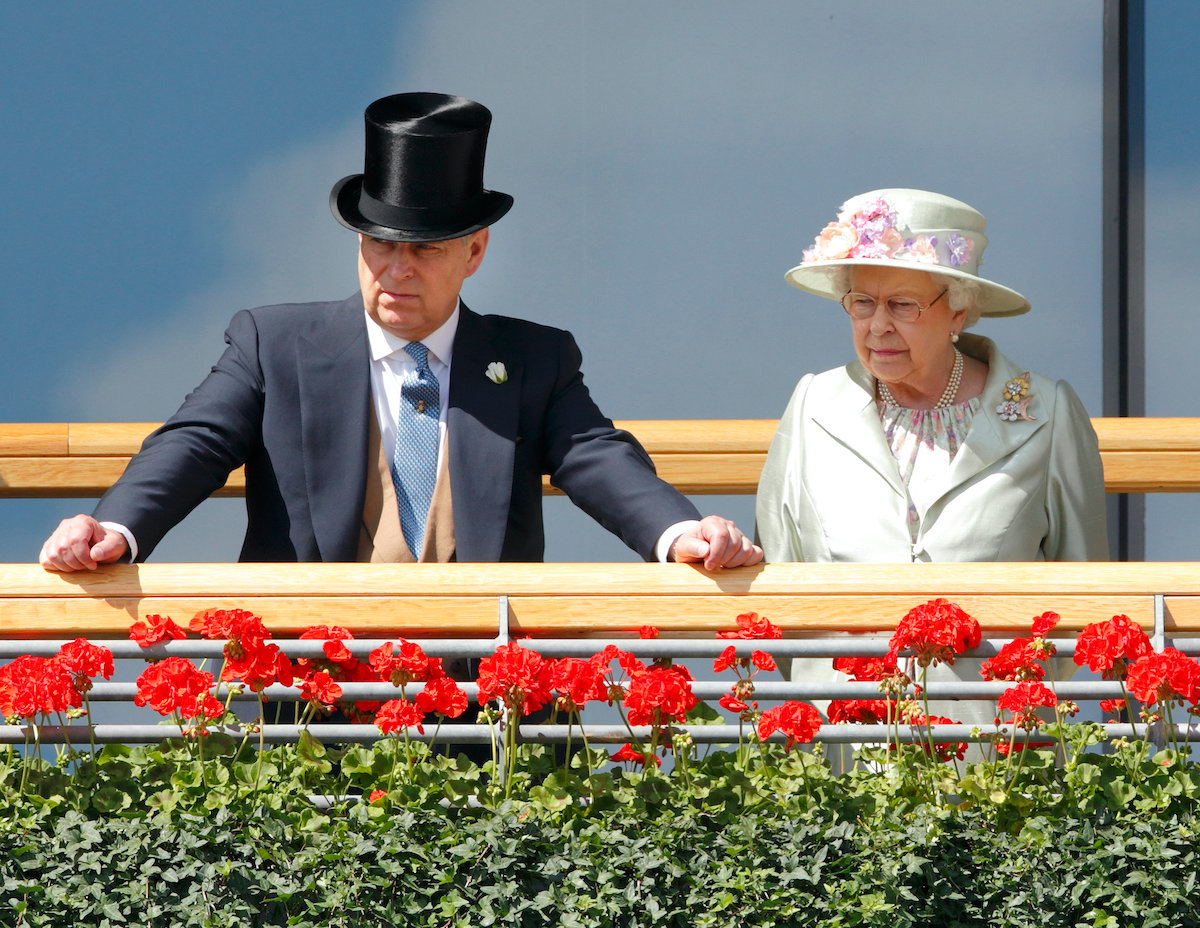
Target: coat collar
{"x": 334, "y": 388}
{"x": 846, "y": 410}
{"x": 482, "y": 425}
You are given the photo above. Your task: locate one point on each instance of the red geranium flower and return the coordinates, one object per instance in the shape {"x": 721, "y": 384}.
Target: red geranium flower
{"x": 177, "y": 685}
{"x": 1107, "y": 647}
{"x": 1044, "y": 624}
{"x": 576, "y": 682}
{"x": 154, "y": 629}
{"x": 517, "y": 677}
{"x": 628, "y": 755}
{"x": 443, "y": 696}
{"x": 1023, "y": 701}
{"x": 798, "y": 720}
{"x": 751, "y": 625}
{"x": 659, "y": 696}
{"x": 404, "y": 663}
{"x": 647, "y": 631}
{"x": 396, "y": 714}
{"x": 942, "y": 750}
{"x": 1017, "y": 660}
{"x": 319, "y": 687}
{"x": 1164, "y": 677}
{"x": 867, "y": 669}
{"x": 863, "y": 711}
{"x": 86, "y": 660}
{"x": 936, "y": 632}
{"x": 30, "y": 686}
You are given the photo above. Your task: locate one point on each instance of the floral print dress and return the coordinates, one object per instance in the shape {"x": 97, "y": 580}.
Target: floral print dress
{"x": 924, "y": 443}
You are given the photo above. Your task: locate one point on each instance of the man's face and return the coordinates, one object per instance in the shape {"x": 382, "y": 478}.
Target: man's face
{"x": 411, "y": 288}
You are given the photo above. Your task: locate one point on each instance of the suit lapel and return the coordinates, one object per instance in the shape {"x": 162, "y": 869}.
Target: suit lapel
{"x": 991, "y": 438}
{"x": 848, "y": 413}
{"x": 333, "y": 383}
{"x": 482, "y": 435}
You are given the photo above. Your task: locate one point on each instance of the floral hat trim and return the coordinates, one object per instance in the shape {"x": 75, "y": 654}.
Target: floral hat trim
{"x": 873, "y": 231}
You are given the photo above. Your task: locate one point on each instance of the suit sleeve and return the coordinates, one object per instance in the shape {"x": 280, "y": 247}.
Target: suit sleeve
{"x": 604, "y": 470}
{"x": 191, "y": 455}
{"x": 1075, "y": 499}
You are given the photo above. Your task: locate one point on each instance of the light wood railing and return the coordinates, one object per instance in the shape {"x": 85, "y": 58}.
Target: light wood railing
{"x": 698, "y": 456}
{"x": 593, "y": 600}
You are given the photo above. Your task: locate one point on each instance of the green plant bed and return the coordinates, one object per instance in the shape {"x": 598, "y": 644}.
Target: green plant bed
{"x": 759, "y": 836}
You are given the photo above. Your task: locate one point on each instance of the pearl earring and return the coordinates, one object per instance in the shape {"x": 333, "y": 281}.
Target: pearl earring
{"x": 954, "y": 337}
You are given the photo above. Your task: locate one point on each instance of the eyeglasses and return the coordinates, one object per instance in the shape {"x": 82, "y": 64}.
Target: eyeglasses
{"x": 901, "y": 308}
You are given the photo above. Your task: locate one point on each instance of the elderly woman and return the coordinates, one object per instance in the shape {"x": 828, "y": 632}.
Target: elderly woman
{"x": 932, "y": 445}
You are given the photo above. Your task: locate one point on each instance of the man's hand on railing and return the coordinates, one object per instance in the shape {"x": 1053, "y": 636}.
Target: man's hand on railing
{"x": 716, "y": 542}
{"x": 82, "y": 543}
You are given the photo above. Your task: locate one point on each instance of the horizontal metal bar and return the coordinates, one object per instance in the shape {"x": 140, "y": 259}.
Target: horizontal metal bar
{"x": 842, "y": 645}
{"x": 764, "y": 690}
{"x": 550, "y": 734}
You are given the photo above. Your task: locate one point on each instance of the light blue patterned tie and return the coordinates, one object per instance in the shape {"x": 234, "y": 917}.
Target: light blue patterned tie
{"x": 414, "y": 460}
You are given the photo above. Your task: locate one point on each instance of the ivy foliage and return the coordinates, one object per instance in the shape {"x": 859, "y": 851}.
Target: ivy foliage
{"x": 160, "y": 836}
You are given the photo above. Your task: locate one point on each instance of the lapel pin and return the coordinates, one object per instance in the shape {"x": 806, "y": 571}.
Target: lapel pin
{"x": 1016, "y": 399}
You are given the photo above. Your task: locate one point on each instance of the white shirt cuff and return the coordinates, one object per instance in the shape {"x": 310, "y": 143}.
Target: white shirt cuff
{"x": 670, "y": 536}
{"x": 129, "y": 539}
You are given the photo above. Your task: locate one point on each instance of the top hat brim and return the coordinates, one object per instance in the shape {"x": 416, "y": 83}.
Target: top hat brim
{"x": 415, "y": 225}
{"x": 994, "y": 299}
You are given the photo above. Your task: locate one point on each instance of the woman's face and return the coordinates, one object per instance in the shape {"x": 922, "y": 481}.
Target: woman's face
{"x": 916, "y": 356}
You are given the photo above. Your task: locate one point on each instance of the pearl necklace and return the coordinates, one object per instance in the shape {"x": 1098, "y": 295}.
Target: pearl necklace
{"x": 947, "y": 397}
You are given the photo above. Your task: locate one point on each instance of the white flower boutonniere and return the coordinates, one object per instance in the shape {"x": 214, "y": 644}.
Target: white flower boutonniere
{"x": 496, "y": 372}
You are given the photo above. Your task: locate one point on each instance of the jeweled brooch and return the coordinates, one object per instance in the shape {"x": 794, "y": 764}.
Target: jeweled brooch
{"x": 1016, "y": 399}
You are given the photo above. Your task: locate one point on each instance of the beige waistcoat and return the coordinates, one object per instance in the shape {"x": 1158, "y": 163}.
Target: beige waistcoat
{"x": 381, "y": 539}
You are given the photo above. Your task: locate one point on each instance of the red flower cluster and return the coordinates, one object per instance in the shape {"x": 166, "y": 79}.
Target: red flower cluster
{"x": 396, "y": 714}
{"x": 32, "y": 686}
{"x": 1169, "y": 676}
{"x": 942, "y": 750}
{"x": 249, "y": 656}
{"x": 576, "y": 682}
{"x": 154, "y": 629}
{"x": 1019, "y": 659}
{"x": 340, "y": 666}
{"x": 797, "y": 720}
{"x": 863, "y": 711}
{"x": 1107, "y": 647}
{"x": 936, "y": 632}
{"x": 518, "y": 677}
{"x": 867, "y": 669}
{"x": 442, "y": 696}
{"x": 320, "y": 688}
{"x": 659, "y": 696}
{"x": 175, "y": 684}
{"x": 1044, "y": 624}
{"x": 1023, "y": 701}
{"x": 628, "y": 755}
{"x": 751, "y": 625}
{"x": 405, "y": 663}
{"x": 85, "y": 660}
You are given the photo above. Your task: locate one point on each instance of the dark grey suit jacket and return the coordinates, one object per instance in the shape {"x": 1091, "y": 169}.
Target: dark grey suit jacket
{"x": 290, "y": 399}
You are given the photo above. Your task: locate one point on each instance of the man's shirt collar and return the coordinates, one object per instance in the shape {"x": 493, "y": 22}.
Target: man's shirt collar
{"x": 440, "y": 342}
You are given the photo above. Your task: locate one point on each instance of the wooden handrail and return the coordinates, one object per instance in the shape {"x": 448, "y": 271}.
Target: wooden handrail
{"x": 699, "y": 456}
{"x": 590, "y": 600}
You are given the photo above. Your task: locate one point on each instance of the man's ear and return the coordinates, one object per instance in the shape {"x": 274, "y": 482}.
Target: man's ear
{"x": 477, "y": 243}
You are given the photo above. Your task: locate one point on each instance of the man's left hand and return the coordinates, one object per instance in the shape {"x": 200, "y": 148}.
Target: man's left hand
{"x": 716, "y": 542}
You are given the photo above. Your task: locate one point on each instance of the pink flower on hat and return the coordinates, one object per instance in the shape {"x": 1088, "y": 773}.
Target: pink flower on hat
{"x": 833, "y": 242}
{"x": 921, "y": 249}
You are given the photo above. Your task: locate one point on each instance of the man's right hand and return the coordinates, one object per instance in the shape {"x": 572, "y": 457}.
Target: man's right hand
{"x": 82, "y": 543}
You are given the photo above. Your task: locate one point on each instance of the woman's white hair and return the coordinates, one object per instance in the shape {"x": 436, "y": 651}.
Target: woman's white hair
{"x": 961, "y": 294}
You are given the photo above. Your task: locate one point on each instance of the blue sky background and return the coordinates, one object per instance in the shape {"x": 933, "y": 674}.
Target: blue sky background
{"x": 166, "y": 164}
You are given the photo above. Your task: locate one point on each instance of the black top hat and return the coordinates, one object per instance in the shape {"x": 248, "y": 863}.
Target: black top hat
{"x": 422, "y": 177}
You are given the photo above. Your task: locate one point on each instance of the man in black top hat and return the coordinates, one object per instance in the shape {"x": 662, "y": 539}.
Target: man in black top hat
{"x": 398, "y": 424}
